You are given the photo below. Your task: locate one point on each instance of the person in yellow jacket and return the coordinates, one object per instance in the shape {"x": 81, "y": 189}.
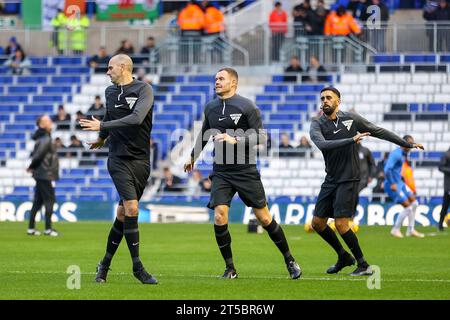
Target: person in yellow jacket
{"x": 60, "y": 33}
{"x": 78, "y": 34}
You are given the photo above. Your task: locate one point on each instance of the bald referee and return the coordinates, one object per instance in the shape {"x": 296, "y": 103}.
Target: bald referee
{"x": 127, "y": 124}
{"x": 336, "y": 134}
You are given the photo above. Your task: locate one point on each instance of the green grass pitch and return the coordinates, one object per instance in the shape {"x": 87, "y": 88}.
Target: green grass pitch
{"x": 187, "y": 262}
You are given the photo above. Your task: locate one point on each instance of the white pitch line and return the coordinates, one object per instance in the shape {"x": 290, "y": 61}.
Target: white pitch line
{"x": 349, "y": 278}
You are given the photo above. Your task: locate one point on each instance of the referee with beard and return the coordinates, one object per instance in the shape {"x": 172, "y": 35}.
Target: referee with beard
{"x": 336, "y": 134}
{"x": 235, "y": 124}
{"x": 127, "y": 124}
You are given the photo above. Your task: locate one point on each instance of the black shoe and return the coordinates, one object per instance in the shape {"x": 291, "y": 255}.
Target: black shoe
{"x": 363, "y": 270}
{"x": 102, "y": 272}
{"x": 440, "y": 228}
{"x": 143, "y": 276}
{"x": 344, "y": 261}
{"x": 230, "y": 273}
{"x": 294, "y": 269}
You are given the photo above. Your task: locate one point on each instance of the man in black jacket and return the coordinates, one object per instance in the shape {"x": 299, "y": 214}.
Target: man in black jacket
{"x": 44, "y": 167}
{"x": 444, "y": 166}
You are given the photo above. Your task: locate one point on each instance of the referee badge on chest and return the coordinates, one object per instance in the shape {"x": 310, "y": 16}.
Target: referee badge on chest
{"x": 131, "y": 101}
{"x": 235, "y": 117}
{"x": 347, "y": 124}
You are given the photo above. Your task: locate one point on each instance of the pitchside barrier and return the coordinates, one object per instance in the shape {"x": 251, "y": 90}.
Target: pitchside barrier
{"x": 285, "y": 212}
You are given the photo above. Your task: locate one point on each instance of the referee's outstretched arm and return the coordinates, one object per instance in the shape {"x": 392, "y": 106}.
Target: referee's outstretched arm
{"x": 319, "y": 140}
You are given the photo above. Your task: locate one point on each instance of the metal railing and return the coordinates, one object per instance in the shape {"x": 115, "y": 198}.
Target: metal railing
{"x": 241, "y": 45}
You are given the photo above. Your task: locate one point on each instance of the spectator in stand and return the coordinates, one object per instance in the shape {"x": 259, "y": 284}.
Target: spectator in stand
{"x": 436, "y": 13}
{"x": 304, "y": 147}
{"x": 379, "y": 187}
{"x": 79, "y": 116}
{"x": 97, "y": 109}
{"x": 304, "y": 20}
{"x": 293, "y": 67}
{"x": 214, "y": 27}
{"x": 58, "y": 143}
{"x": 191, "y": 21}
{"x": 279, "y": 28}
{"x": 359, "y": 9}
{"x": 315, "y": 71}
{"x": 321, "y": 14}
{"x": 18, "y": 62}
{"x": 62, "y": 119}
{"x": 125, "y": 48}
{"x": 75, "y": 143}
{"x": 341, "y": 23}
{"x": 170, "y": 182}
{"x": 12, "y": 46}
{"x": 99, "y": 62}
{"x": 151, "y": 51}
{"x": 285, "y": 146}
{"x": 195, "y": 182}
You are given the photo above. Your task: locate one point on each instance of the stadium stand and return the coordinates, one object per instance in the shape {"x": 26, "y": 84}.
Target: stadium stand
{"x": 406, "y": 102}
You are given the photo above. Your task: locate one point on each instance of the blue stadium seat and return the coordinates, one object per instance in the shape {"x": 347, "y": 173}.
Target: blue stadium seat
{"x": 75, "y": 70}
{"x": 10, "y": 98}
{"x": 420, "y": 58}
{"x": 43, "y": 70}
{"x": 267, "y": 97}
{"x": 67, "y": 61}
{"x": 22, "y": 89}
{"x": 308, "y": 88}
{"x": 4, "y": 118}
{"x": 414, "y": 107}
{"x": 20, "y": 126}
{"x": 201, "y": 79}
{"x": 279, "y": 126}
{"x": 7, "y": 108}
{"x": 445, "y": 58}
{"x": 38, "y": 60}
{"x": 26, "y": 117}
{"x": 160, "y": 97}
{"x": 66, "y": 79}
{"x": 276, "y": 88}
{"x": 12, "y": 136}
{"x": 32, "y": 79}
{"x": 38, "y": 108}
{"x": 6, "y": 79}
{"x": 386, "y": 58}
{"x": 58, "y": 99}
{"x": 299, "y": 107}
{"x": 286, "y": 117}
{"x": 435, "y": 107}
{"x": 196, "y": 88}
{"x": 56, "y": 89}
{"x": 301, "y": 97}
{"x": 277, "y": 78}
{"x": 265, "y": 107}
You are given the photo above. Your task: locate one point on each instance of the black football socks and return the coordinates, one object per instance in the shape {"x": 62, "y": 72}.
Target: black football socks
{"x": 277, "y": 235}
{"x": 352, "y": 242}
{"x": 131, "y": 233}
{"x": 330, "y": 237}
{"x": 114, "y": 238}
{"x": 223, "y": 239}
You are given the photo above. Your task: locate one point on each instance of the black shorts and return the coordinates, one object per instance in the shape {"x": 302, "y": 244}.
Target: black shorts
{"x": 129, "y": 176}
{"x": 247, "y": 183}
{"x": 337, "y": 200}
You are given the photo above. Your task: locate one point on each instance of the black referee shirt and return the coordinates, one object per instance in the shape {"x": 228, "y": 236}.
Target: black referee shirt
{"x": 240, "y": 118}
{"x": 128, "y": 120}
{"x": 335, "y": 139}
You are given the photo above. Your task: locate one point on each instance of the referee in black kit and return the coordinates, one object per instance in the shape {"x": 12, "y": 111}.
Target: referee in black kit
{"x": 127, "y": 124}
{"x": 235, "y": 124}
{"x": 336, "y": 134}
